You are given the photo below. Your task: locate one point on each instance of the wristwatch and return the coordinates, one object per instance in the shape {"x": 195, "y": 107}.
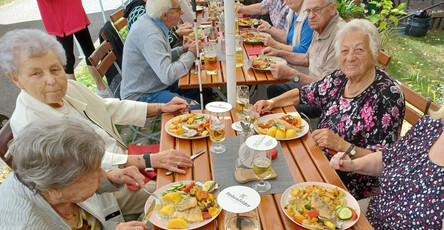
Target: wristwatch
{"x": 296, "y": 78}
{"x": 351, "y": 150}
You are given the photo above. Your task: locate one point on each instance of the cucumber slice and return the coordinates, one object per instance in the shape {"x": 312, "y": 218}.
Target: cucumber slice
{"x": 338, "y": 209}
{"x": 172, "y": 189}
{"x": 345, "y": 213}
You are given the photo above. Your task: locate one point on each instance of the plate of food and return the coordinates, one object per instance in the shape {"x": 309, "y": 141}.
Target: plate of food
{"x": 189, "y": 126}
{"x": 282, "y": 126}
{"x": 310, "y": 204}
{"x": 199, "y": 8}
{"x": 183, "y": 205}
{"x": 249, "y": 21}
{"x": 253, "y": 37}
{"x": 263, "y": 63}
{"x": 192, "y": 35}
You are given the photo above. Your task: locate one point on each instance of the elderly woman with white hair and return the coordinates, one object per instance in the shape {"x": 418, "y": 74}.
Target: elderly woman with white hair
{"x": 34, "y": 61}
{"x": 362, "y": 107}
{"x": 58, "y": 182}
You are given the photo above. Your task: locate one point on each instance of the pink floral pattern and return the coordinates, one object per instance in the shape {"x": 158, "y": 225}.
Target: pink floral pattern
{"x": 370, "y": 120}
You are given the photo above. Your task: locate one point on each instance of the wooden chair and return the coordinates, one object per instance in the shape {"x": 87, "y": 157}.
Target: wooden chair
{"x": 118, "y": 20}
{"x": 417, "y": 105}
{"x": 5, "y": 138}
{"x": 383, "y": 58}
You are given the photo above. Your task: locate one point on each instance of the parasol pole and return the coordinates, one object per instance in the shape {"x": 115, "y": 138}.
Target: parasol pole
{"x": 230, "y": 51}
{"x": 196, "y": 35}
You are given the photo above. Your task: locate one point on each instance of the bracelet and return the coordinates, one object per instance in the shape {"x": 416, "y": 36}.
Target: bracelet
{"x": 269, "y": 28}
{"x": 159, "y": 108}
{"x": 282, "y": 45}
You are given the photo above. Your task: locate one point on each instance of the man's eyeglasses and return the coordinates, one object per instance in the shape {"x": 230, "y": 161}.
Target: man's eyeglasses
{"x": 178, "y": 9}
{"x": 317, "y": 10}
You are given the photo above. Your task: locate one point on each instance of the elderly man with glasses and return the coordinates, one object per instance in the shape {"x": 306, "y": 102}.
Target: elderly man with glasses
{"x": 151, "y": 69}
{"x": 321, "y": 57}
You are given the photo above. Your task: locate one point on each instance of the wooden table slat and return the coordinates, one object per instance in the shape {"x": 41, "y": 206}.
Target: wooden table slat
{"x": 268, "y": 210}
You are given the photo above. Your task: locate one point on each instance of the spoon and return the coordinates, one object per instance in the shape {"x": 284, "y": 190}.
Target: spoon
{"x": 191, "y": 132}
{"x": 336, "y": 223}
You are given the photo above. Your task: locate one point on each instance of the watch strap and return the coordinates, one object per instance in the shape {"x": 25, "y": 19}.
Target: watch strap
{"x": 350, "y": 149}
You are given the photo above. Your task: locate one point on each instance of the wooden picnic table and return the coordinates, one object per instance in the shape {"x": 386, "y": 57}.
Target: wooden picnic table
{"x": 244, "y": 74}
{"x": 305, "y": 159}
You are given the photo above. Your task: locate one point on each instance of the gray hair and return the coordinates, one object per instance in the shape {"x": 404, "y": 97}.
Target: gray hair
{"x": 54, "y": 153}
{"x": 366, "y": 27}
{"x": 27, "y": 43}
{"x": 155, "y": 8}
{"x": 329, "y": 1}
{"x": 438, "y": 114}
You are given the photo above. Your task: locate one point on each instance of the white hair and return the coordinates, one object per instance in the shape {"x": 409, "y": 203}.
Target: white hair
{"x": 155, "y": 8}
{"x": 54, "y": 153}
{"x": 365, "y": 26}
{"x": 438, "y": 114}
{"x": 27, "y": 43}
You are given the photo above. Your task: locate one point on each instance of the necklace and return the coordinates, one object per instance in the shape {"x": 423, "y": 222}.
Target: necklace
{"x": 69, "y": 214}
{"x": 354, "y": 92}
{"x": 442, "y": 164}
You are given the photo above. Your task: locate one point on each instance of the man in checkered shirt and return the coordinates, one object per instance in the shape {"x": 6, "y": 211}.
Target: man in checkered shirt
{"x": 277, "y": 9}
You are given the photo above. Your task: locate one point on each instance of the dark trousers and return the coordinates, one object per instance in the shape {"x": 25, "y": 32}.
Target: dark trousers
{"x": 85, "y": 41}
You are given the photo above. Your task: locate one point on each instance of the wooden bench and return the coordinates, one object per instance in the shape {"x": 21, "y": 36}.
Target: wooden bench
{"x": 5, "y": 138}
{"x": 417, "y": 105}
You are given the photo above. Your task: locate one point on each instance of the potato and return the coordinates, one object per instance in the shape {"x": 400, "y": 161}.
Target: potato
{"x": 167, "y": 210}
{"x": 172, "y": 197}
{"x": 291, "y": 133}
{"x": 280, "y": 134}
{"x": 177, "y": 224}
{"x": 272, "y": 131}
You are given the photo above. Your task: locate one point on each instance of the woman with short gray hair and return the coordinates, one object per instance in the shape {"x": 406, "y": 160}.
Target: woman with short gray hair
{"x": 362, "y": 107}
{"x": 57, "y": 179}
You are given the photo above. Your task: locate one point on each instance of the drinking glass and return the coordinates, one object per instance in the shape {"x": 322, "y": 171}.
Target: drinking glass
{"x": 242, "y": 221}
{"x": 210, "y": 58}
{"x": 217, "y": 132}
{"x": 243, "y": 105}
{"x": 262, "y": 170}
{"x": 239, "y": 51}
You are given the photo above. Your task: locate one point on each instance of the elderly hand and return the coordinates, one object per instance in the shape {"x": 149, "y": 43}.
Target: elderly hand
{"x": 132, "y": 225}
{"x": 269, "y": 41}
{"x": 171, "y": 160}
{"x": 271, "y": 51}
{"x": 328, "y": 139}
{"x": 282, "y": 72}
{"x": 128, "y": 175}
{"x": 184, "y": 29}
{"x": 190, "y": 45}
{"x": 262, "y": 106}
{"x": 176, "y": 104}
{"x": 341, "y": 162}
{"x": 264, "y": 26}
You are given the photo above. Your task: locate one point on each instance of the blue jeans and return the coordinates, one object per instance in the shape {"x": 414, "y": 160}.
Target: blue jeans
{"x": 278, "y": 89}
{"x": 166, "y": 95}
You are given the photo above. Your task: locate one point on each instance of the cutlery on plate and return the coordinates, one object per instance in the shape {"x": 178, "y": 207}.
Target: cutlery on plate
{"x": 336, "y": 223}
{"x": 192, "y": 158}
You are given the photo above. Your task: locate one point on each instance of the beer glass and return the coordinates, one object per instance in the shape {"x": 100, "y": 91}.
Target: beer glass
{"x": 217, "y": 132}
{"x": 210, "y": 58}
{"x": 239, "y": 51}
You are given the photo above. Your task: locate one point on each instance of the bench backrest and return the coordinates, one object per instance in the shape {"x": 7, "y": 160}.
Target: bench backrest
{"x": 417, "y": 106}
{"x": 118, "y": 20}
{"x": 5, "y": 138}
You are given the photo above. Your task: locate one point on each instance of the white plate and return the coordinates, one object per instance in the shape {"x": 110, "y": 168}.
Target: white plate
{"x": 162, "y": 222}
{"x": 199, "y": 8}
{"x": 351, "y": 201}
{"x": 167, "y": 128}
{"x": 265, "y": 118}
{"x": 277, "y": 60}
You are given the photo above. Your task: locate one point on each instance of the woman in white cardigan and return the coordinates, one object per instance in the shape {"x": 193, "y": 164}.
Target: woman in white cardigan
{"x": 297, "y": 35}
{"x": 57, "y": 178}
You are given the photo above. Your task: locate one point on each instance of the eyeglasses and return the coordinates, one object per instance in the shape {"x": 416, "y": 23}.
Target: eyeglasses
{"x": 316, "y": 11}
{"x": 178, "y": 9}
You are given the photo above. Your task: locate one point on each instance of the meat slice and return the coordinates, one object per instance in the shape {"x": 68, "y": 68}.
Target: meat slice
{"x": 319, "y": 204}
{"x": 188, "y": 202}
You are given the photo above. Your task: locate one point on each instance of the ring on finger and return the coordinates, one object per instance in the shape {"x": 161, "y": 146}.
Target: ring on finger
{"x": 178, "y": 163}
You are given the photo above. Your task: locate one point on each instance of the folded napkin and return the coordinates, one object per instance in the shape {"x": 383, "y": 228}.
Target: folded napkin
{"x": 253, "y": 50}
{"x": 140, "y": 150}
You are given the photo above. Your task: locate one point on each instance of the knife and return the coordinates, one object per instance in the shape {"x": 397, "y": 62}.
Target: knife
{"x": 149, "y": 212}
{"x": 192, "y": 158}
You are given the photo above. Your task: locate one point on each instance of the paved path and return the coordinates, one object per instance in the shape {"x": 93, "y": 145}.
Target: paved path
{"x": 23, "y": 14}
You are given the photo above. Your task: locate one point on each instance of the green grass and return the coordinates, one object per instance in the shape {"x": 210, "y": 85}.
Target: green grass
{"x": 4, "y": 2}
{"x": 417, "y": 62}
{"x": 85, "y": 77}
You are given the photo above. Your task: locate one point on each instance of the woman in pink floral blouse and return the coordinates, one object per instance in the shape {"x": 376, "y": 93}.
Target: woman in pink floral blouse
{"x": 362, "y": 107}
